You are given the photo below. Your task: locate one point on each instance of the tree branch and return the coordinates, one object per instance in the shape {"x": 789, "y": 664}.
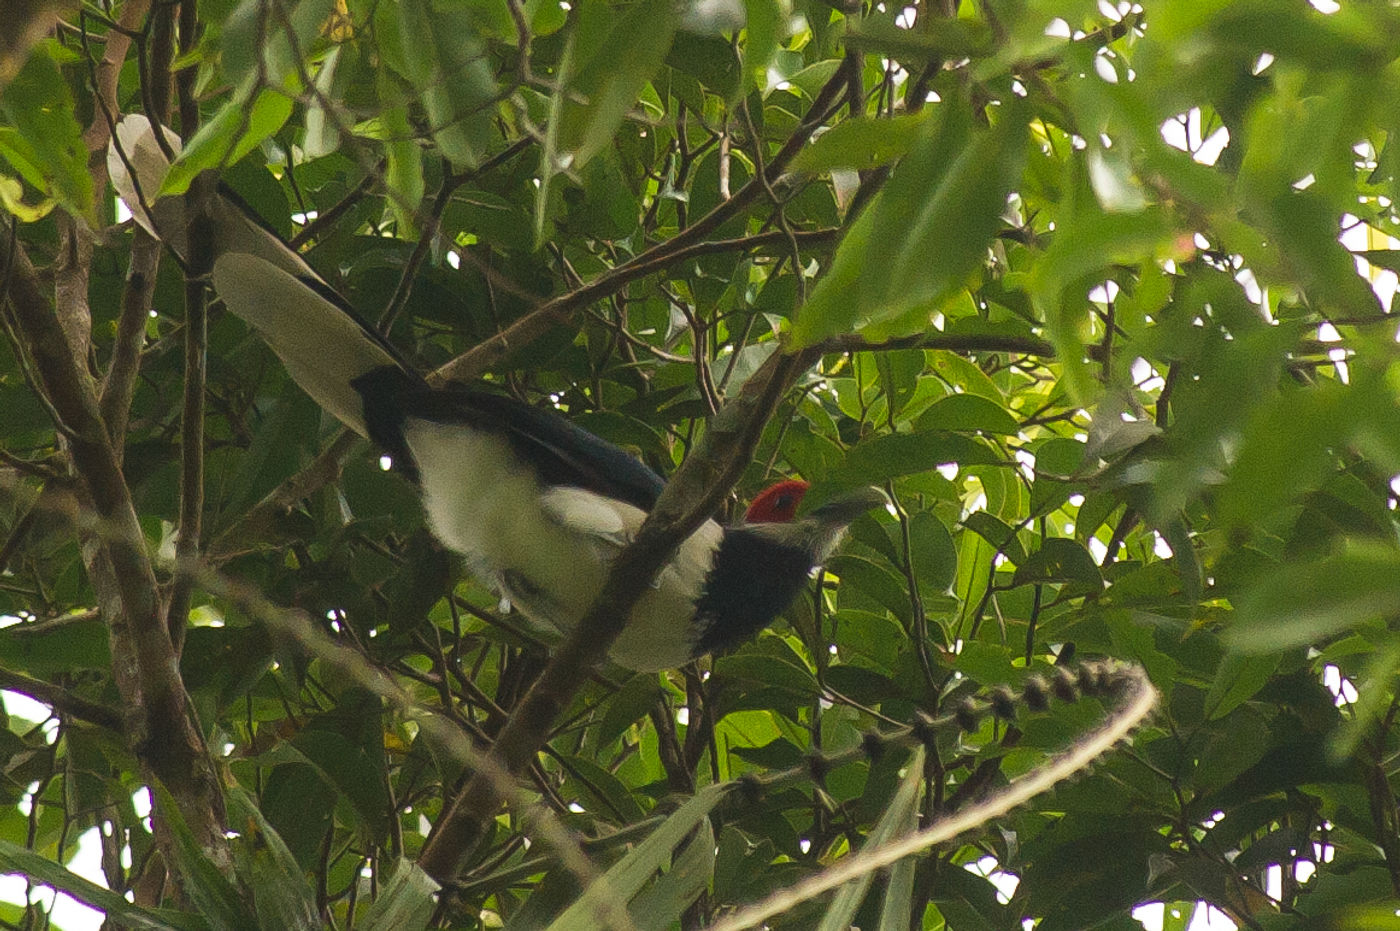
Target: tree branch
{"x": 560, "y": 309}
{"x": 61, "y": 700}
{"x": 145, "y": 667}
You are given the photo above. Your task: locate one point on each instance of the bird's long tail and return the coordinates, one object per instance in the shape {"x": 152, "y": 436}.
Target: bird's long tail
{"x": 138, "y": 167}
{"x": 324, "y": 345}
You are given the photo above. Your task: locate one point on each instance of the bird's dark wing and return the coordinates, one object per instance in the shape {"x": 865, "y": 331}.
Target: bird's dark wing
{"x": 561, "y": 453}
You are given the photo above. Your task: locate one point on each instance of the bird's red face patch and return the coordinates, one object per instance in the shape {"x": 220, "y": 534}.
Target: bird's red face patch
{"x": 777, "y": 504}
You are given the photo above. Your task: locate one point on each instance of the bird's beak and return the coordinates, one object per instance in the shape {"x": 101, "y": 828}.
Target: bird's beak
{"x": 847, "y": 508}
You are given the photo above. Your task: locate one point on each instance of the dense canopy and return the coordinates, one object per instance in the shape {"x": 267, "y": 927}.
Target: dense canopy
{"x": 1099, "y": 294}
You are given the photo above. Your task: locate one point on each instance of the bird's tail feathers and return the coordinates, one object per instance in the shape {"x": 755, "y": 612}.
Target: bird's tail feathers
{"x": 324, "y": 345}
{"x": 138, "y": 166}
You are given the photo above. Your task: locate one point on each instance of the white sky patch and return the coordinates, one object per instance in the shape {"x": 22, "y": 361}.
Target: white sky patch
{"x": 1327, "y": 333}
{"x": 1359, "y": 236}
{"x": 897, "y": 74}
{"x": 66, "y": 913}
{"x": 1161, "y": 547}
{"x": 1027, "y": 460}
{"x": 454, "y": 259}
{"x": 1203, "y": 917}
{"x": 1104, "y": 69}
{"x": 23, "y": 706}
{"x": 1098, "y": 549}
{"x": 1325, "y": 6}
{"x": 1262, "y": 63}
{"x": 683, "y": 716}
{"x": 1145, "y": 377}
{"x": 1058, "y": 29}
{"x": 989, "y": 869}
{"x": 1105, "y": 293}
{"x": 123, "y": 214}
{"x": 1343, "y": 689}
{"x": 1252, "y": 291}
{"x": 1184, "y": 131}
{"x": 905, "y": 19}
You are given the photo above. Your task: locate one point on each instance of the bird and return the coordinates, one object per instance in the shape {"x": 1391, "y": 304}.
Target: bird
{"x": 536, "y": 506}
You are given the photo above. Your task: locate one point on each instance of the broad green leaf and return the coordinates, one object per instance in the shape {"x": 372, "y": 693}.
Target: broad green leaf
{"x": 933, "y": 553}
{"x": 1305, "y": 603}
{"x": 900, "y": 817}
{"x": 968, "y": 413}
{"x": 861, "y": 143}
{"x": 895, "y": 454}
{"x": 998, "y": 533}
{"x": 15, "y": 858}
{"x": 255, "y": 45}
{"x": 602, "y": 82}
{"x": 209, "y": 890}
{"x": 235, "y": 130}
{"x": 405, "y": 903}
{"x": 660, "y": 905}
{"x": 51, "y": 649}
{"x": 49, "y": 151}
{"x": 1239, "y": 678}
{"x": 449, "y": 68}
{"x": 626, "y": 877}
{"x": 282, "y": 897}
{"x": 765, "y": 23}
{"x": 1060, "y": 560}
{"x": 927, "y": 231}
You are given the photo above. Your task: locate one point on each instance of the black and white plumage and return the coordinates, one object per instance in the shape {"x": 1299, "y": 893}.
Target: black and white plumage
{"x": 537, "y": 506}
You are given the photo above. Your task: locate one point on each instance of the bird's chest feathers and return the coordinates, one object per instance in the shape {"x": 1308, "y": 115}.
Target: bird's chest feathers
{"x": 480, "y": 500}
{"x": 549, "y": 548}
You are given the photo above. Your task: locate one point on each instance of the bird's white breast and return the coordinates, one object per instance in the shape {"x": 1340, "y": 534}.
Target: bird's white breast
{"x": 485, "y": 503}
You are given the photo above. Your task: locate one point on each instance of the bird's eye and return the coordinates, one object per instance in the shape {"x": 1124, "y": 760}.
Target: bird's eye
{"x": 784, "y": 502}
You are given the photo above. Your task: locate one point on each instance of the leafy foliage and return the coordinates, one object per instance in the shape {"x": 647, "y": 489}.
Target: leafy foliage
{"x": 1091, "y": 287}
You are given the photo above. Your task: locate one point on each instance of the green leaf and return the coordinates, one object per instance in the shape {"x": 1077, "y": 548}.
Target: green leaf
{"x": 17, "y": 859}
{"x": 998, "y": 533}
{"x": 932, "y": 552}
{"x": 765, "y": 21}
{"x": 52, "y": 157}
{"x": 766, "y": 670}
{"x": 861, "y": 143}
{"x": 1305, "y": 603}
{"x": 968, "y": 413}
{"x": 661, "y": 905}
{"x": 927, "y": 231}
{"x": 604, "y": 77}
{"x": 891, "y": 455}
{"x": 50, "y": 649}
{"x": 1060, "y": 560}
{"x": 626, "y": 877}
{"x": 209, "y": 890}
{"x": 1239, "y": 678}
{"x": 451, "y": 72}
{"x": 406, "y": 901}
{"x": 235, "y": 130}
{"x": 900, "y": 817}
{"x": 282, "y": 897}
{"x": 602, "y": 791}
